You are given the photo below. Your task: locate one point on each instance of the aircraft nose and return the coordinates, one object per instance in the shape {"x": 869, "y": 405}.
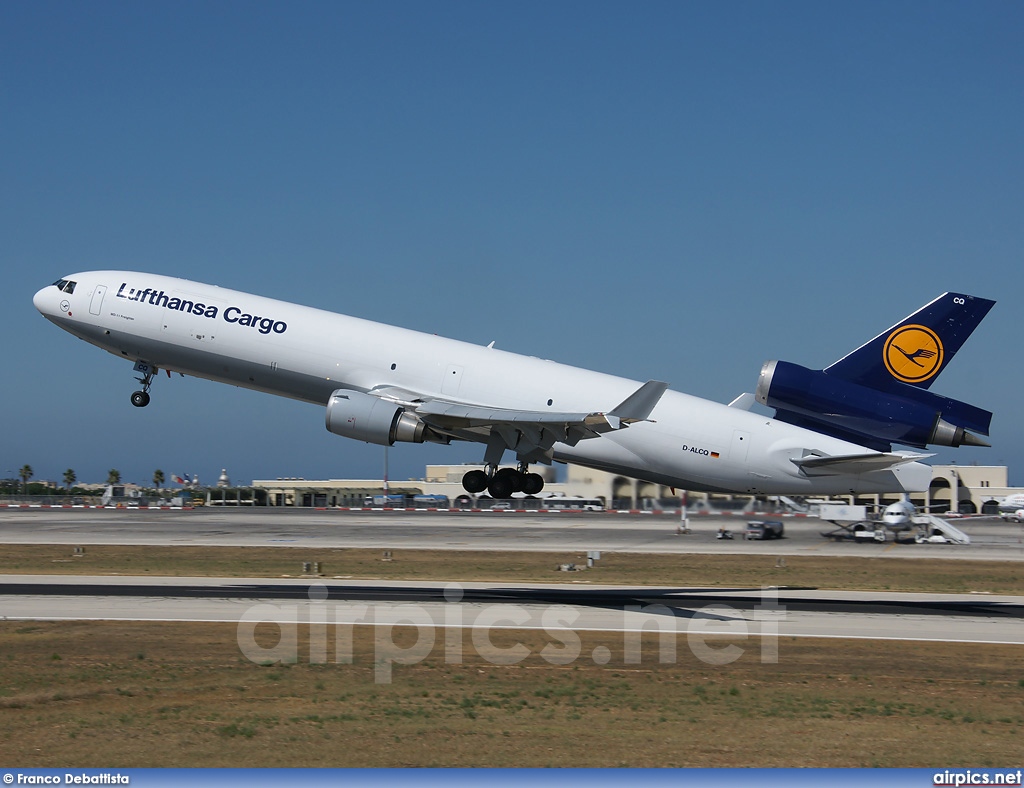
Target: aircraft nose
{"x": 41, "y": 301}
{"x": 47, "y": 301}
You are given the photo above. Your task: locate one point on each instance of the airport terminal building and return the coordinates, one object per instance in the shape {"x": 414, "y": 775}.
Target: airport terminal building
{"x": 973, "y": 488}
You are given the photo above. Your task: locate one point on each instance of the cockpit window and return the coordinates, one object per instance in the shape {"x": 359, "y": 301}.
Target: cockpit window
{"x": 65, "y": 285}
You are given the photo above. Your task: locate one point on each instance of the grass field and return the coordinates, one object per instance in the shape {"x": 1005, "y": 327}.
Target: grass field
{"x": 116, "y": 694}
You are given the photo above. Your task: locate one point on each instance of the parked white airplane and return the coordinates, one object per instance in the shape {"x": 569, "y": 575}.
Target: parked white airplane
{"x": 1012, "y": 503}
{"x": 832, "y": 433}
{"x": 899, "y": 515}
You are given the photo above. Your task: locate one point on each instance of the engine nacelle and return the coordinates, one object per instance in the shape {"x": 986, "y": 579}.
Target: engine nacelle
{"x": 909, "y": 415}
{"x": 363, "y": 417}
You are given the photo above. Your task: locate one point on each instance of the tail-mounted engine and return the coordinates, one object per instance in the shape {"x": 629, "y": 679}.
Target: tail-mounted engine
{"x": 364, "y": 417}
{"x": 874, "y": 418}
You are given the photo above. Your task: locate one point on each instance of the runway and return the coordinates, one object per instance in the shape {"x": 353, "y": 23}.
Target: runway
{"x": 556, "y": 608}
{"x": 991, "y": 538}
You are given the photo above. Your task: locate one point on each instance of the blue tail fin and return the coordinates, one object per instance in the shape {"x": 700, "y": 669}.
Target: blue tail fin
{"x": 877, "y": 395}
{"x": 917, "y": 349}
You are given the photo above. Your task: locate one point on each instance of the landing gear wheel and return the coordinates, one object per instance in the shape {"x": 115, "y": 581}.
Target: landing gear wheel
{"x": 533, "y": 483}
{"x": 515, "y": 478}
{"x": 474, "y": 482}
{"x": 500, "y": 487}
{"x": 140, "y": 399}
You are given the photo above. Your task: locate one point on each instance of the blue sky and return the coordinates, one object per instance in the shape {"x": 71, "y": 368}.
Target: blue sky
{"x": 672, "y": 190}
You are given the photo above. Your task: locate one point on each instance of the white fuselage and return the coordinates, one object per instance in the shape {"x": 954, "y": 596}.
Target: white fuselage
{"x": 306, "y": 354}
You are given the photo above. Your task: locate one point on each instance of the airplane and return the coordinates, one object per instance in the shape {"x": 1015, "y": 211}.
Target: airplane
{"x": 900, "y": 515}
{"x": 1011, "y": 503}
{"x": 906, "y": 523}
{"x": 833, "y": 430}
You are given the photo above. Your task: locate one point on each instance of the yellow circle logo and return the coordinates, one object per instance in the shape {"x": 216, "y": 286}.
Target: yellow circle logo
{"x": 913, "y": 354}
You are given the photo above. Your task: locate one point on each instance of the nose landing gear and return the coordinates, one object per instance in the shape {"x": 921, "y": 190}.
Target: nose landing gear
{"x": 140, "y": 399}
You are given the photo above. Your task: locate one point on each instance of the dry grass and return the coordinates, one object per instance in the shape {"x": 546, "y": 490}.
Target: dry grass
{"x": 123, "y": 694}
{"x": 750, "y": 571}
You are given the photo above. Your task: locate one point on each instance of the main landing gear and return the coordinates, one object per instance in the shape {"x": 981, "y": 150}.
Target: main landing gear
{"x": 501, "y": 483}
{"x": 140, "y": 399}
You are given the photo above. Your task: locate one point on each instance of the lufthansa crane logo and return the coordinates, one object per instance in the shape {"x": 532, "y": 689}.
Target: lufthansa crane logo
{"x": 913, "y": 354}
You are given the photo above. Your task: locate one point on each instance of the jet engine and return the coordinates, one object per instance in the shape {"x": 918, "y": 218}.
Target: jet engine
{"x": 872, "y": 417}
{"x": 364, "y": 417}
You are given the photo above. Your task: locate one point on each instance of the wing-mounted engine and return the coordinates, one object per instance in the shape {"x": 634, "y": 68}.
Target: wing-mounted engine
{"x": 364, "y": 417}
{"x": 902, "y": 414}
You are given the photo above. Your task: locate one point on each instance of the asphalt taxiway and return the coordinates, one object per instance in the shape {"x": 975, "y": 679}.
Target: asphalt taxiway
{"x": 702, "y": 613}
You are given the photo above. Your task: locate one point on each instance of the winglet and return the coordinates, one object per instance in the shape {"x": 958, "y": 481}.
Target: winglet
{"x": 744, "y": 401}
{"x": 638, "y": 405}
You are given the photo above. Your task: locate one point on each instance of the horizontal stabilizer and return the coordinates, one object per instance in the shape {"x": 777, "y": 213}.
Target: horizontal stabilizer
{"x": 817, "y": 465}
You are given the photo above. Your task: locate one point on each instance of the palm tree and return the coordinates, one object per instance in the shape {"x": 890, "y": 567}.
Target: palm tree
{"x": 113, "y": 476}
{"x": 69, "y": 478}
{"x": 158, "y": 479}
{"x": 26, "y": 473}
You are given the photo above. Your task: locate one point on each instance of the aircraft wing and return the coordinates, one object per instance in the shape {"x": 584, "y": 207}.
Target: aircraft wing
{"x": 531, "y": 434}
{"x": 438, "y": 413}
{"x": 818, "y": 465}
